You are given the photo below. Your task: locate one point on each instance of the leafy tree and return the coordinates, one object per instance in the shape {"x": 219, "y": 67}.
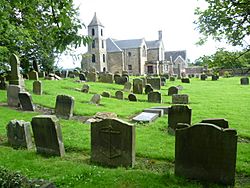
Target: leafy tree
{"x": 38, "y": 29}
{"x": 225, "y": 19}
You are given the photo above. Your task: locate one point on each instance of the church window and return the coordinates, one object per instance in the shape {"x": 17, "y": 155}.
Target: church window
{"x": 129, "y": 54}
{"x": 129, "y": 67}
{"x": 93, "y": 58}
{"x": 93, "y": 44}
{"x": 102, "y": 44}
{"x": 101, "y": 32}
{"x": 103, "y": 58}
{"x": 93, "y": 32}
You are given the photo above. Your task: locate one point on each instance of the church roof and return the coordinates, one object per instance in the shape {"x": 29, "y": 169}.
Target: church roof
{"x": 111, "y": 46}
{"x": 95, "y": 21}
{"x": 153, "y": 44}
{"x": 132, "y": 43}
{"x": 175, "y": 55}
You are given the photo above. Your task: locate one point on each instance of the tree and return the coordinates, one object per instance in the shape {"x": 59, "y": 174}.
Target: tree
{"x": 225, "y": 19}
{"x": 38, "y": 30}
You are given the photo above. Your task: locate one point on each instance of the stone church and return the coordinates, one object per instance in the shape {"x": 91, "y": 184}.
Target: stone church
{"x": 137, "y": 56}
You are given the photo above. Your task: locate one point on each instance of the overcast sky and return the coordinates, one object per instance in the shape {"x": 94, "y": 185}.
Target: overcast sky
{"x": 133, "y": 19}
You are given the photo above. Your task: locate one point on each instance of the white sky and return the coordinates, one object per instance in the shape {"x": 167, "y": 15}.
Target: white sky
{"x": 131, "y": 19}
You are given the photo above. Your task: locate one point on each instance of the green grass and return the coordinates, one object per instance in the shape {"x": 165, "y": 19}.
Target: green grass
{"x": 154, "y": 167}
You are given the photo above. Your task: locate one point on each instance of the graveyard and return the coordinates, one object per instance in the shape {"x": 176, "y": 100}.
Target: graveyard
{"x": 151, "y": 157}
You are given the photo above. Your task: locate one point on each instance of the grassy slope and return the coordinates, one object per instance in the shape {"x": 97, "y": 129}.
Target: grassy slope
{"x": 154, "y": 148}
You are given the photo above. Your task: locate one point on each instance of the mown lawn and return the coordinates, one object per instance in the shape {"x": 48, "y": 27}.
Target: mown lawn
{"x": 224, "y": 98}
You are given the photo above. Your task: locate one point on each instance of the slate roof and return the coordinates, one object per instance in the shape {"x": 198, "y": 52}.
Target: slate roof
{"x": 95, "y": 21}
{"x": 111, "y": 46}
{"x": 175, "y": 55}
{"x": 153, "y": 44}
{"x": 126, "y": 44}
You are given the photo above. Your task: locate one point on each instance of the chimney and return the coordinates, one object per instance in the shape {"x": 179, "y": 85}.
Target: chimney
{"x": 160, "y": 35}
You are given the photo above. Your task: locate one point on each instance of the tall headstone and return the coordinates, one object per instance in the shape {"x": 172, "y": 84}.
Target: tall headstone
{"x": 15, "y": 78}
{"x": 155, "y": 83}
{"x": 155, "y": 97}
{"x": 137, "y": 86}
{"x": 172, "y": 90}
{"x": 19, "y": 134}
{"x": 206, "y": 152}
{"x": 26, "y": 101}
{"x": 64, "y": 106}
{"x": 113, "y": 143}
{"x": 37, "y": 87}
{"x": 48, "y": 135}
{"x": 12, "y": 95}
{"x": 178, "y": 114}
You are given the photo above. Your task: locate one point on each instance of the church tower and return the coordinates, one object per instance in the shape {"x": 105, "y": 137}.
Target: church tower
{"x": 97, "y": 49}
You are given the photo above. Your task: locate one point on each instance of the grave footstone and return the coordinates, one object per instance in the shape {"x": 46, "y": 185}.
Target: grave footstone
{"x": 48, "y": 135}
{"x": 37, "y": 87}
{"x": 178, "y": 114}
{"x": 179, "y": 99}
{"x": 155, "y": 97}
{"x": 244, "y": 81}
{"x": 127, "y": 87}
{"x": 146, "y": 117}
{"x": 12, "y": 95}
{"x": 137, "y": 86}
{"x": 64, "y": 106}
{"x": 113, "y": 143}
{"x": 220, "y": 122}
{"x": 148, "y": 88}
{"x": 207, "y": 153}
{"x": 172, "y": 90}
{"x": 26, "y": 101}
{"x": 119, "y": 95}
{"x": 19, "y": 134}
{"x": 96, "y": 99}
{"x": 85, "y": 88}
{"x": 132, "y": 97}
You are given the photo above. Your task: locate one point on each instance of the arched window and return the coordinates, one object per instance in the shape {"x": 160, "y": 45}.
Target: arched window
{"x": 93, "y": 32}
{"x": 102, "y": 44}
{"x": 93, "y": 43}
{"x": 103, "y": 58}
{"x": 93, "y": 58}
{"x": 101, "y": 32}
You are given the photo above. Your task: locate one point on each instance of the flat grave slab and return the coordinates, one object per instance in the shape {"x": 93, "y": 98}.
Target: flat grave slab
{"x": 160, "y": 112}
{"x": 145, "y": 117}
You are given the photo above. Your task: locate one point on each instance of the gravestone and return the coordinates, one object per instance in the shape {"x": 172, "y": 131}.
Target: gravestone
{"x": 116, "y": 78}
{"x": 155, "y": 83}
{"x": 244, "y": 81}
{"x": 12, "y": 95}
{"x": 26, "y": 101}
{"x": 220, "y": 122}
{"x": 148, "y": 88}
{"x": 132, "y": 97}
{"x": 185, "y": 80}
{"x": 33, "y": 75}
{"x": 85, "y": 88}
{"x": 172, "y": 79}
{"x": 37, "y": 87}
{"x": 106, "y": 78}
{"x": 179, "y": 99}
{"x": 125, "y": 73}
{"x": 158, "y": 111}
{"x": 146, "y": 117}
{"x": 113, "y": 143}
{"x": 121, "y": 80}
{"x": 35, "y": 66}
{"x": 19, "y": 134}
{"x": 91, "y": 77}
{"x": 64, "y": 106}
{"x": 82, "y": 77}
{"x": 155, "y": 97}
{"x": 137, "y": 86}
{"x": 3, "y": 83}
{"x": 207, "y": 153}
{"x": 215, "y": 77}
{"x": 172, "y": 90}
{"x": 15, "y": 78}
{"x": 163, "y": 81}
{"x": 48, "y": 135}
{"x": 203, "y": 77}
{"x": 178, "y": 114}
{"x": 119, "y": 95}
{"x": 106, "y": 94}
{"x": 127, "y": 87}
{"x": 164, "y": 108}
{"x": 96, "y": 99}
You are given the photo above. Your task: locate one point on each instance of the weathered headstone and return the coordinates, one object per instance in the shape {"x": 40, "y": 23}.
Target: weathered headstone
{"x": 148, "y": 88}
{"x": 172, "y": 90}
{"x": 127, "y": 87}
{"x": 206, "y": 152}
{"x": 48, "y": 135}
{"x": 244, "y": 81}
{"x": 85, "y": 88}
{"x": 215, "y": 77}
{"x": 33, "y": 75}
{"x": 106, "y": 78}
{"x": 15, "y": 78}
{"x": 37, "y": 87}
{"x": 155, "y": 97}
{"x": 137, "y": 86}
{"x": 3, "y": 83}
{"x": 185, "y": 80}
{"x": 113, "y": 143}
{"x": 119, "y": 95}
{"x": 179, "y": 99}
{"x": 106, "y": 94}
{"x": 125, "y": 73}
{"x": 12, "y": 95}
{"x": 132, "y": 97}
{"x": 172, "y": 79}
{"x": 146, "y": 117}
{"x": 155, "y": 83}
{"x": 163, "y": 81}
{"x": 82, "y": 77}
{"x": 220, "y": 122}
{"x": 19, "y": 134}
{"x": 96, "y": 99}
{"x": 26, "y": 101}
{"x": 91, "y": 77}
{"x": 203, "y": 77}
{"x": 178, "y": 114}
{"x": 64, "y": 106}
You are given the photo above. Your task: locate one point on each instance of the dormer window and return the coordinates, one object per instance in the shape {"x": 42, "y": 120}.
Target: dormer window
{"x": 93, "y": 32}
